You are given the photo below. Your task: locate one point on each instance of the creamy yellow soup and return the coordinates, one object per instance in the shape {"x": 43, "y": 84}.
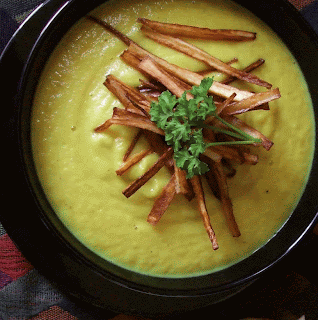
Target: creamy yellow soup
{"x": 76, "y": 166}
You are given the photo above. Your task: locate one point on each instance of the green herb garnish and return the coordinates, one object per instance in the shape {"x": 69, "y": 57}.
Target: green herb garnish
{"x": 183, "y": 120}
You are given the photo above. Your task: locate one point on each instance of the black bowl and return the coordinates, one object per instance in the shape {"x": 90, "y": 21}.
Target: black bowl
{"x": 50, "y": 247}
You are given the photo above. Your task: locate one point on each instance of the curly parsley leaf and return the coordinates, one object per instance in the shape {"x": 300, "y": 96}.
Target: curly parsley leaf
{"x": 176, "y": 132}
{"x": 182, "y": 158}
{"x": 202, "y": 89}
{"x": 190, "y": 163}
{"x": 196, "y": 143}
{"x": 196, "y": 167}
{"x": 163, "y": 110}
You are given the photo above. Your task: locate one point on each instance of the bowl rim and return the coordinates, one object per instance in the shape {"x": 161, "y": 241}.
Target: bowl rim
{"x": 266, "y": 256}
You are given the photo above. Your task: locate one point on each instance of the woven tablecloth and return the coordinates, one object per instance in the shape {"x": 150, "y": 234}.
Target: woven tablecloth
{"x": 26, "y": 294}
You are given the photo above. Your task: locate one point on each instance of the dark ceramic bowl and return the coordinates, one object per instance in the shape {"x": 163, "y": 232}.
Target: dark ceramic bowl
{"x": 48, "y": 245}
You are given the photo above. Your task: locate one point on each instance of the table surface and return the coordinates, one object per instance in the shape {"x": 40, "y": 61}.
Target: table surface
{"x": 26, "y": 294}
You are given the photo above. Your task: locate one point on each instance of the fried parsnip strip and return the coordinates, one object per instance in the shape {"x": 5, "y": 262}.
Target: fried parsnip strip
{"x": 211, "y": 180}
{"x": 266, "y": 142}
{"x": 160, "y": 147}
{"x": 260, "y": 99}
{"x": 136, "y": 96}
{"x": 199, "y": 54}
{"x": 156, "y": 142}
{"x": 249, "y": 68}
{"x": 152, "y": 94}
{"x": 226, "y": 152}
{"x": 132, "y": 161}
{"x": 126, "y": 94}
{"x": 156, "y": 71}
{"x": 162, "y": 202}
{"x": 116, "y": 87}
{"x": 199, "y": 194}
{"x": 212, "y": 155}
{"x": 225, "y": 199}
{"x": 225, "y": 103}
{"x": 238, "y": 154}
{"x": 232, "y": 153}
{"x": 129, "y": 119}
{"x": 139, "y": 182}
{"x": 250, "y": 158}
{"x": 182, "y": 183}
{"x": 133, "y": 144}
{"x": 230, "y": 171}
{"x": 178, "y": 30}
{"x": 188, "y": 76}
{"x": 122, "y": 114}
{"x": 208, "y": 70}
{"x": 240, "y": 124}
{"x": 150, "y": 85}
{"x": 151, "y": 67}
{"x": 133, "y": 59}
{"x": 111, "y": 29}
{"x": 140, "y": 106}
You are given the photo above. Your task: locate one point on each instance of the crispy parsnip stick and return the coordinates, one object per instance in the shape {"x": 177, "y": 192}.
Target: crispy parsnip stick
{"x": 111, "y": 29}
{"x": 190, "y": 77}
{"x": 182, "y": 184}
{"x": 229, "y": 153}
{"x": 116, "y": 87}
{"x": 208, "y": 70}
{"x": 139, "y": 182}
{"x": 199, "y": 194}
{"x": 160, "y": 147}
{"x": 266, "y": 142}
{"x": 150, "y": 67}
{"x": 225, "y": 103}
{"x": 152, "y": 85}
{"x": 249, "y": 68}
{"x": 226, "y": 202}
{"x": 212, "y": 154}
{"x": 178, "y": 30}
{"x": 126, "y": 94}
{"x": 132, "y": 161}
{"x": 176, "y": 87}
{"x": 133, "y": 144}
{"x": 199, "y": 54}
{"x": 233, "y": 153}
{"x": 140, "y": 106}
{"x": 129, "y": 119}
{"x": 162, "y": 202}
{"x": 252, "y": 103}
{"x": 250, "y": 158}
{"x": 211, "y": 180}
{"x": 230, "y": 171}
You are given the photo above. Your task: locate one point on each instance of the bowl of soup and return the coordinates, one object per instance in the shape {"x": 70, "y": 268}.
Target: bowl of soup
{"x": 71, "y": 218}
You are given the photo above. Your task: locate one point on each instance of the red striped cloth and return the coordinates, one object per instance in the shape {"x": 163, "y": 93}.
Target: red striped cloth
{"x": 12, "y": 262}
{"x": 300, "y": 4}
{"x": 54, "y": 313}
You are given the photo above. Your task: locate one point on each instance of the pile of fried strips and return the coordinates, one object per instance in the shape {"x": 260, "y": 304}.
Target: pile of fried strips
{"x": 230, "y": 101}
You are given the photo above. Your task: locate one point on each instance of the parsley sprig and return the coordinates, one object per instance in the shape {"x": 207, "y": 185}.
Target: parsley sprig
{"x": 183, "y": 119}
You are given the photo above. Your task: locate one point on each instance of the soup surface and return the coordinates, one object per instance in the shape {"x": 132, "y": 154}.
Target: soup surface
{"x": 76, "y": 166}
